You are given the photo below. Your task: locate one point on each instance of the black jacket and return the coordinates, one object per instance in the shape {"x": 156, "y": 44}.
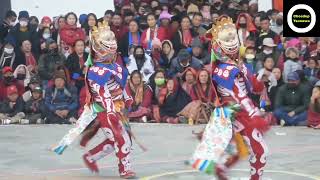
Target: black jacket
{"x": 177, "y": 40}
{"x": 6, "y": 109}
{"x": 35, "y": 107}
{"x": 73, "y": 65}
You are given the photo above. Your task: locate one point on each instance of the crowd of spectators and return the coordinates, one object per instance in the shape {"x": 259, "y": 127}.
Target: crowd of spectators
{"x": 166, "y": 50}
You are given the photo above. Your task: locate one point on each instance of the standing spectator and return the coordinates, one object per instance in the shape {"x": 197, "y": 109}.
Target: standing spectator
{"x": 8, "y": 56}
{"x": 23, "y": 31}
{"x": 108, "y": 16}
{"x": 266, "y": 32}
{"x": 253, "y": 7}
{"x": 268, "y": 49}
{"x": 34, "y": 82}
{"x": 197, "y": 21}
{"x": 292, "y": 63}
{"x": 278, "y": 26}
{"x": 291, "y": 102}
{"x": 188, "y": 78}
{"x": 130, "y": 39}
{"x": 128, "y": 16}
{"x": 11, "y": 109}
{"x": 142, "y": 62}
{"x": 76, "y": 64}
{"x": 92, "y": 21}
{"x": 62, "y": 101}
{"x": 165, "y": 19}
{"x": 185, "y": 35}
{"x": 8, "y": 22}
{"x": 26, "y": 57}
{"x": 167, "y": 55}
{"x": 152, "y": 37}
{"x": 311, "y": 71}
{"x": 245, "y": 27}
{"x": 171, "y": 101}
{"x": 22, "y": 74}
{"x": 35, "y": 108}
{"x": 8, "y": 80}
{"x": 314, "y": 107}
{"x": 118, "y": 27}
{"x": 183, "y": 61}
{"x": 199, "y": 52}
{"x": 58, "y": 25}
{"x": 49, "y": 62}
{"x": 142, "y": 97}
{"x": 34, "y": 23}
{"x": 69, "y": 34}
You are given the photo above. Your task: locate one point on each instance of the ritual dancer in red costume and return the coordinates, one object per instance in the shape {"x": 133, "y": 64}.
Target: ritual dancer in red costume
{"x": 106, "y": 82}
{"x": 234, "y": 83}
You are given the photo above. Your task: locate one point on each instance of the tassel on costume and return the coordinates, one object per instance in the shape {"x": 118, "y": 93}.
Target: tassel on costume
{"x": 242, "y": 148}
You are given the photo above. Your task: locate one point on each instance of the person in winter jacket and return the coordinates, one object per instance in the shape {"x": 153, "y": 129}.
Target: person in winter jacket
{"x": 35, "y": 108}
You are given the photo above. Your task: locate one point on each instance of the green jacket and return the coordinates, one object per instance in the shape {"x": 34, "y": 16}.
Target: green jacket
{"x": 290, "y": 99}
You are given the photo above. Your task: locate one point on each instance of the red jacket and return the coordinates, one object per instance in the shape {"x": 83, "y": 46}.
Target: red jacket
{"x": 161, "y": 35}
{"x": 119, "y": 32}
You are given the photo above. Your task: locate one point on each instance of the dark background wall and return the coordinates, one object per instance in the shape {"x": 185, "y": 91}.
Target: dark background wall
{"x": 4, "y": 7}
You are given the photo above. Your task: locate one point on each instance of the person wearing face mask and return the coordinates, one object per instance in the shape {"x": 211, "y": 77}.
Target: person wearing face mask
{"x": 8, "y": 56}
{"x": 291, "y": 102}
{"x": 7, "y": 24}
{"x": 49, "y": 62}
{"x": 245, "y": 27}
{"x": 142, "y": 62}
{"x": 8, "y": 80}
{"x": 250, "y": 58}
{"x": 157, "y": 82}
{"x": 268, "y": 49}
{"x": 278, "y": 26}
{"x": 292, "y": 62}
{"x": 182, "y": 62}
{"x": 23, "y": 31}
{"x": 22, "y": 74}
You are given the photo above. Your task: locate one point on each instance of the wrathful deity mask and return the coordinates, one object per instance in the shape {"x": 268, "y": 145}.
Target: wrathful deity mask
{"x": 103, "y": 43}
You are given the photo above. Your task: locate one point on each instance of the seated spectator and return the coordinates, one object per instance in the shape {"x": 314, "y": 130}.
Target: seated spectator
{"x": 197, "y": 21}
{"x": 275, "y": 88}
{"x": 22, "y": 74}
{"x": 268, "y": 49}
{"x": 167, "y": 55}
{"x": 314, "y": 108}
{"x": 35, "y": 108}
{"x": 26, "y": 57}
{"x": 8, "y": 23}
{"x": 118, "y": 27}
{"x": 199, "y": 52}
{"x": 132, "y": 38}
{"x": 34, "y": 82}
{"x": 8, "y": 80}
{"x": 69, "y": 34}
{"x": 22, "y": 31}
{"x": 311, "y": 71}
{"x": 266, "y": 32}
{"x": 142, "y": 62}
{"x": 12, "y": 107}
{"x": 203, "y": 96}
{"x": 62, "y": 101}
{"x": 250, "y": 58}
{"x": 76, "y": 64}
{"x": 142, "y": 97}
{"x": 171, "y": 101}
{"x": 245, "y": 27}
{"x": 152, "y": 37}
{"x": 49, "y": 62}
{"x": 291, "y": 102}
{"x": 165, "y": 19}
{"x": 184, "y": 36}
{"x": 8, "y": 56}
{"x": 157, "y": 82}
{"x": 188, "y": 78}
{"x": 292, "y": 63}
{"x": 182, "y": 62}
{"x": 278, "y": 27}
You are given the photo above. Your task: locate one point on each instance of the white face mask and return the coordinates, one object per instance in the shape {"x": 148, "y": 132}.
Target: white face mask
{"x": 46, "y": 35}
{"x": 267, "y": 51}
{"x": 8, "y": 50}
{"x": 87, "y": 50}
{"x": 66, "y": 54}
{"x": 23, "y": 23}
{"x": 12, "y": 23}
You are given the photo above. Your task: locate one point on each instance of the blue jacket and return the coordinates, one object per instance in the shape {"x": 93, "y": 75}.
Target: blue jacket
{"x": 177, "y": 68}
{"x": 62, "y": 99}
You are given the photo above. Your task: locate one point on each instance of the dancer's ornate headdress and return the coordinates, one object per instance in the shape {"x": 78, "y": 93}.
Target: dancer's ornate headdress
{"x": 103, "y": 42}
{"x": 224, "y": 35}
